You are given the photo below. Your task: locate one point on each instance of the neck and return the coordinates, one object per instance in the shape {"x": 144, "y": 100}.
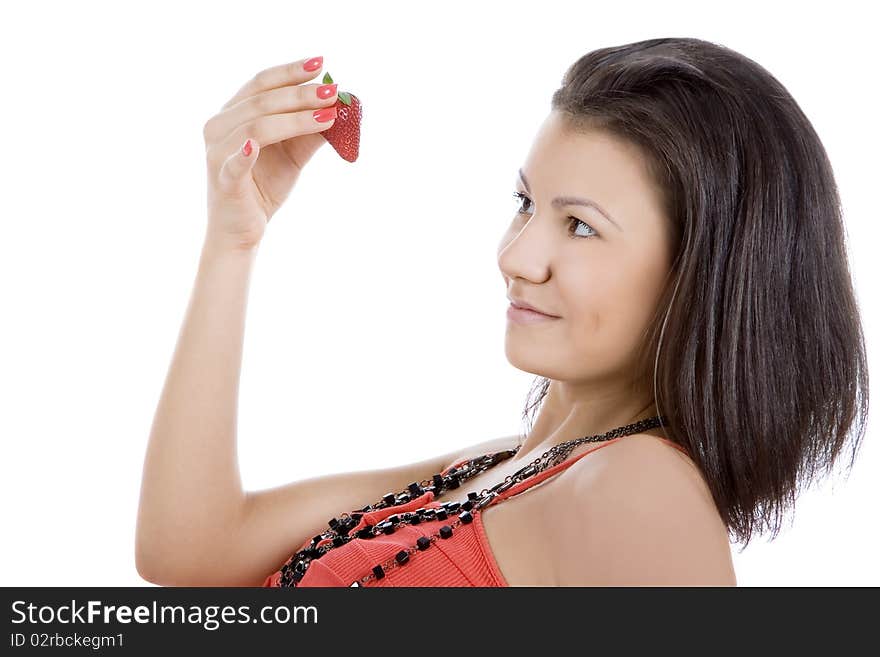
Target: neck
{"x": 568, "y": 413}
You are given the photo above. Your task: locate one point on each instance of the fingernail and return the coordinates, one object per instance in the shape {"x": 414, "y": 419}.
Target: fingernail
{"x": 324, "y": 115}
{"x": 313, "y": 64}
{"x": 326, "y": 90}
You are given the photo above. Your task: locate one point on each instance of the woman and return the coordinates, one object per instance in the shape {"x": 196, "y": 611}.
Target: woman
{"x": 678, "y": 229}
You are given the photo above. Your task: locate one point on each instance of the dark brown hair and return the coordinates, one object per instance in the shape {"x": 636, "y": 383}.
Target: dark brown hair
{"x": 756, "y": 347}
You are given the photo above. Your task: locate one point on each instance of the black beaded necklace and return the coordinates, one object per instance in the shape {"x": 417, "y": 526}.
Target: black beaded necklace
{"x": 295, "y": 567}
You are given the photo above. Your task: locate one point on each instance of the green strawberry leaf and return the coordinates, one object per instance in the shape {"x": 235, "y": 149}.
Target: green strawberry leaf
{"x": 344, "y": 97}
{"x": 327, "y": 79}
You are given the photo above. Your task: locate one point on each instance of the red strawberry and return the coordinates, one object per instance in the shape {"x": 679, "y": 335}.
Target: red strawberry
{"x": 345, "y": 133}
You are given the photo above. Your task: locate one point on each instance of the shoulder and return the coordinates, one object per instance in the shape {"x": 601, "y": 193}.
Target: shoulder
{"x": 638, "y": 512}
{"x": 486, "y": 447}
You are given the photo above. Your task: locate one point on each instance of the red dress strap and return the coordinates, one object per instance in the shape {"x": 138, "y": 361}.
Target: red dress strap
{"x": 549, "y": 472}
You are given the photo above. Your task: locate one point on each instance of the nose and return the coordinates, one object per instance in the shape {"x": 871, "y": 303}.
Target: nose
{"x": 525, "y": 253}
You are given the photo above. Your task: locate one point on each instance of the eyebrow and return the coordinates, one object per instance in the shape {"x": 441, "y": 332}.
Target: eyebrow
{"x": 562, "y": 201}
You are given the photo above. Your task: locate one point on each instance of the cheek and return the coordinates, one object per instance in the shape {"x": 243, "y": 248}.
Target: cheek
{"x": 608, "y": 307}
{"x": 588, "y": 318}
{"x": 594, "y": 292}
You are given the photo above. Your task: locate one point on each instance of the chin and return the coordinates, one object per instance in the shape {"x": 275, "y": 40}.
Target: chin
{"x": 528, "y": 359}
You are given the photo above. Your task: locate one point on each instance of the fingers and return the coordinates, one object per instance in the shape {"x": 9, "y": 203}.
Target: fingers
{"x": 277, "y": 76}
{"x": 234, "y": 173}
{"x": 285, "y": 99}
{"x": 278, "y": 127}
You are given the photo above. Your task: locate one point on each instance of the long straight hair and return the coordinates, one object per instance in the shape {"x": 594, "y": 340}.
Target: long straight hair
{"x": 755, "y": 351}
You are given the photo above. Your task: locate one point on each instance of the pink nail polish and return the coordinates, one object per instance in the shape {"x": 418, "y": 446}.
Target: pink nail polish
{"x": 324, "y": 115}
{"x": 326, "y": 90}
{"x": 313, "y": 64}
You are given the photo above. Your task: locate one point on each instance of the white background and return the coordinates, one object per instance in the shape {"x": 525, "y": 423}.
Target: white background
{"x": 376, "y": 317}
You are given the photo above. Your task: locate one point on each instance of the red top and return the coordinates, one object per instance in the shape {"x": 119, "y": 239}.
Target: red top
{"x": 463, "y": 559}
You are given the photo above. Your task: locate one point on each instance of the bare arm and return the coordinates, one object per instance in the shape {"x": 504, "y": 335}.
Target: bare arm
{"x": 191, "y": 491}
{"x": 196, "y": 525}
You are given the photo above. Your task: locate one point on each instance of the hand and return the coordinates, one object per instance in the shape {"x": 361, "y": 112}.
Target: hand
{"x": 274, "y": 110}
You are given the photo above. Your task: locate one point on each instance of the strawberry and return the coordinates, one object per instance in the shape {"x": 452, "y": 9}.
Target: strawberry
{"x": 345, "y": 133}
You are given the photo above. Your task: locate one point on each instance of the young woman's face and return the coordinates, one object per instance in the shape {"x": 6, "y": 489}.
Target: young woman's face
{"x": 601, "y": 278}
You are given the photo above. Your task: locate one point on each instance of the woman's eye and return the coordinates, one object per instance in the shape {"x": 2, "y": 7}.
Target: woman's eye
{"x": 574, "y": 222}
{"x": 521, "y": 197}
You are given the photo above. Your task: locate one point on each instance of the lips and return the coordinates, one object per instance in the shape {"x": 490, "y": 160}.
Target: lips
{"x": 517, "y": 303}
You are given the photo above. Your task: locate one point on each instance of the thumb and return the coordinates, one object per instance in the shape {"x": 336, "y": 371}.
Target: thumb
{"x": 238, "y": 165}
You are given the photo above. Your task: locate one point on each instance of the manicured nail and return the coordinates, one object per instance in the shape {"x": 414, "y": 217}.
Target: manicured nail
{"x": 313, "y": 64}
{"x": 326, "y": 90}
{"x": 324, "y": 115}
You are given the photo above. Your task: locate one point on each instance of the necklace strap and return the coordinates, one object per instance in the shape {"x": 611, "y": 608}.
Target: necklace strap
{"x": 339, "y": 532}
{"x": 560, "y": 452}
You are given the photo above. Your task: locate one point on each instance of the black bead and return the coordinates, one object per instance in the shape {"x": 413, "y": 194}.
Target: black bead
{"x": 337, "y": 541}
{"x": 438, "y": 481}
{"x": 501, "y": 486}
{"x": 297, "y": 576}
{"x": 452, "y": 507}
{"x": 452, "y": 471}
{"x": 404, "y": 498}
{"x": 367, "y": 508}
{"x": 402, "y": 556}
{"x": 365, "y": 532}
{"x": 393, "y": 518}
{"x": 356, "y": 517}
{"x": 467, "y": 506}
{"x": 453, "y": 483}
{"x": 379, "y": 572}
{"x": 423, "y": 543}
{"x": 318, "y": 538}
{"x": 388, "y": 498}
{"x": 466, "y": 517}
{"x": 445, "y": 531}
{"x": 415, "y": 488}
{"x": 472, "y": 495}
{"x": 333, "y": 522}
{"x": 415, "y": 520}
{"x": 387, "y": 528}
{"x": 440, "y": 514}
